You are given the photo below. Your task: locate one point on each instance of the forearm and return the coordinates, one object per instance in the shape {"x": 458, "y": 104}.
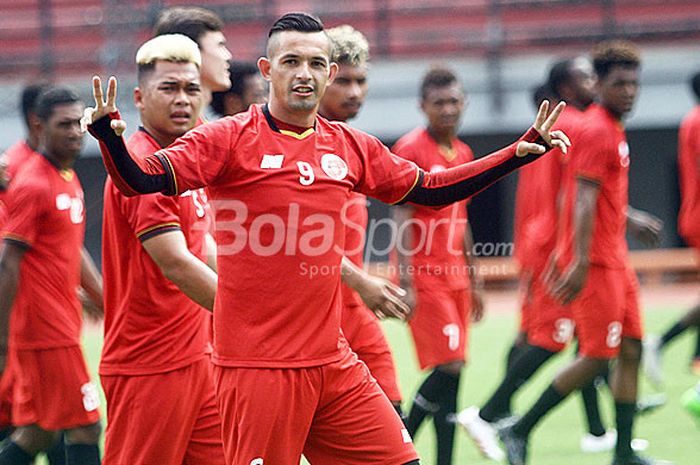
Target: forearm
{"x": 9, "y": 283}
{"x": 352, "y": 275}
{"x": 130, "y": 177}
{"x": 401, "y": 215}
{"x": 584, "y": 219}
{"x": 441, "y": 188}
{"x": 194, "y": 278}
{"x": 90, "y": 278}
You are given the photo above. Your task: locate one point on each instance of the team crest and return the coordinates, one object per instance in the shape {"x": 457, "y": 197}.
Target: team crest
{"x": 334, "y": 166}
{"x": 624, "y": 151}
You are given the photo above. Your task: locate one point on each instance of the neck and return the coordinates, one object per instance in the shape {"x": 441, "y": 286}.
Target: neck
{"x": 442, "y": 138}
{"x": 32, "y": 141}
{"x": 163, "y": 139}
{"x": 64, "y": 163}
{"x": 302, "y": 118}
{"x": 617, "y": 115}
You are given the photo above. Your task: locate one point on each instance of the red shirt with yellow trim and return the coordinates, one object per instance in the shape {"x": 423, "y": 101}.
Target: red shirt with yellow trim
{"x": 46, "y": 214}
{"x": 602, "y": 156}
{"x": 277, "y": 198}
{"x": 437, "y": 251}
{"x": 689, "y": 173}
{"x": 14, "y": 157}
{"x": 150, "y": 325}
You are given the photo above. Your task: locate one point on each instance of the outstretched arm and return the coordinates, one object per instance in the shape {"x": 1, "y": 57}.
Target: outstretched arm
{"x": 438, "y": 189}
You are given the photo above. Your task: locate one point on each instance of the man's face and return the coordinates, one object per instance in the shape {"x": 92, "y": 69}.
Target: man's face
{"x": 618, "y": 90}
{"x": 298, "y": 68}
{"x": 170, "y": 99}
{"x": 344, "y": 97}
{"x": 254, "y": 90}
{"x": 61, "y": 135}
{"x": 215, "y": 61}
{"x": 443, "y": 106}
{"x": 583, "y": 81}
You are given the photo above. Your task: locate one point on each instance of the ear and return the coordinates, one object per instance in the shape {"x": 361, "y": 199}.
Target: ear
{"x": 34, "y": 123}
{"x": 138, "y": 98}
{"x": 264, "y": 66}
{"x": 332, "y": 72}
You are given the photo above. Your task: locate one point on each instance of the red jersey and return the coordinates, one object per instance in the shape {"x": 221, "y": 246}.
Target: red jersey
{"x": 689, "y": 173}
{"x": 46, "y": 214}
{"x": 354, "y": 217}
{"x": 277, "y": 198}
{"x": 437, "y": 251}
{"x": 601, "y": 155}
{"x": 537, "y": 199}
{"x": 150, "y": 325}
{"x": 15, "y": 157}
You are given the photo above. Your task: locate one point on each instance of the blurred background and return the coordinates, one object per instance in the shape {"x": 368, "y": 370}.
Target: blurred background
{"x": 501, "y": 49}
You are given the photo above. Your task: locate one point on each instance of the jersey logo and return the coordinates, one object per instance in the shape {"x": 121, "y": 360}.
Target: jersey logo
{"x": 63, "y": 202}
{"x": 334, "y": 166}
{"x": 624, "y": 151}
{"x": 271, "y": 162}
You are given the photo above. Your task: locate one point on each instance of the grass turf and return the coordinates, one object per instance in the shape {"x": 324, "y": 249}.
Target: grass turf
{"x": 672, "y": 433}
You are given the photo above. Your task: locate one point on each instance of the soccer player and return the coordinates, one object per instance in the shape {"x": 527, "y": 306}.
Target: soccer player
{"x": 438, "y": 244}
{"x": 206, "y": 29}
{"x": 155, "y": 358}
{"x": 547, "y": 326}
{"x": 286, "y": 380}
{"x": 247, "y": 88}
{"x": 342, "y": 101}
{"x": 689, "y": 227}
{"x": 590, "y": 269}
{"x": 40, "y": 270}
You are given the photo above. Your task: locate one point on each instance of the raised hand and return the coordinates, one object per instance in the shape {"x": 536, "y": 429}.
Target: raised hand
{"x": 543, "y": 125}
{"x": 103, "y": 108}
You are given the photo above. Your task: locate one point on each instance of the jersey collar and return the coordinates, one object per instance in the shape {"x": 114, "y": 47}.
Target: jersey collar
{"x": 291, "y": 131}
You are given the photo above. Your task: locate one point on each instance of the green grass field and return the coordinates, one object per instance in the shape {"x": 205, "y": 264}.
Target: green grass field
{"x": 672, "y": 433}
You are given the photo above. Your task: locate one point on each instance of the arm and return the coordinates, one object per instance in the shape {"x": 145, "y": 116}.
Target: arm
{"x": 401, "y": 215}
{"x": 211, "y": 251}
{"x": 477, "y": 282}
{"x": 10, "y": 261}
{"x": 566, "y": 286}
{"x": 644, "y": 226}
{"x": 192, "y": 276}
{"x": 381, "y": 296}
{"x": 91, "y": 283}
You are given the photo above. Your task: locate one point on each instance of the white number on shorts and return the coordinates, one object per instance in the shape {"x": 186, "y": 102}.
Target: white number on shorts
{"x": 614, "y": 334}
{"x": 257, "y": 461}
{"x": 307, "y": 173}
{"x": 91, "y": 398}
{"x": 563, "y": 330}
{"x": 452, "y": 332}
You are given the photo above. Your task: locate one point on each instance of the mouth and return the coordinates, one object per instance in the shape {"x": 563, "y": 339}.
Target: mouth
{"x": 303, "y": 90}
{"x": 180, "y": 117}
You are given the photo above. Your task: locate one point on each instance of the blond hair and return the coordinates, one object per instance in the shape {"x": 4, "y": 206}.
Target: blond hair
{"x": 175, "y": 48}
{"x": 349, "y": 45}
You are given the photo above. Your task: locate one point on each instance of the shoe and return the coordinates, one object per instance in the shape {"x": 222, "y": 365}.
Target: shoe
{"x": 482, "y": 433}
{"x": 651, "y": 359}
{"x": 639, "y": 445}
{"x": 515, "y": 445}
{"x": 648, "y": 404}
{"x": 591, "y": 444}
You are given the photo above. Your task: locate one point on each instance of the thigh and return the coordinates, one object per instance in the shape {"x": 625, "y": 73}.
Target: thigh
{"x": 266, "y": 414}
{"x": 599, "y": 312}
{"x": 439, "y": 327}
{"x": 6, "y": 386}
{"x": 205, "y": 446}
{"x": 632, "y": 323}
{"x": 355, "y": 422}
{"x": 53, "y": 389}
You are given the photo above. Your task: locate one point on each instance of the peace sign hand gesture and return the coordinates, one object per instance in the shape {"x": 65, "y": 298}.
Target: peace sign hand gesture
{"x": 543, "y": 125}
{"x": 102, "y": 108}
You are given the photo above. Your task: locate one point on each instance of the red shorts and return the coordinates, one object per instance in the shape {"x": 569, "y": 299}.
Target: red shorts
{"x": 53, "y": 389}
{"x": 6, "y": 386}
{"x": 552, "y": 325}
{"x": 333, "y": 414}
{"x": 525, "y": 291}
{"x": 606, "y": 311}
{"x": 164, "y": 418}
{"x": 366, "y": 338}
{"x": 440, "y": 326}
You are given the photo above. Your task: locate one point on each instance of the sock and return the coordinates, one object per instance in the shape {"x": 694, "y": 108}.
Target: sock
{"x": 549, "y": 399}
{"x": 697, "y": 344}
{"x": 82, "y": 454}
{"x": 589, "y": 395}
{"x": 624, "y": 418}
{"x": 675, "y": 330}
{"x": 5, "y": 433}
{"x": 530, "y": 360}
{"x": 426, "y": 400}
{"x": 12, "y": 454}
{"x": 57, "y": 454}
{"x": 444, "y": 421}
{"x": 513, "y": 354}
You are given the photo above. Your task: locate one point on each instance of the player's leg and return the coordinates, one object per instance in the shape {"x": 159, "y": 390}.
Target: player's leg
{"x": 56, "y": 455}
{"x": 520, "y": 340}
{"x": 205, "y": 446}
{"x": 82, "y": 445}
{"x": 24, "y": 444}
{"x": 355, "y": 423}
{"x": 597, "y": 439}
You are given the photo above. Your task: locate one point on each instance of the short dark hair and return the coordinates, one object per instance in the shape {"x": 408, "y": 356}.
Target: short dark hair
{"x": 607, "y": 55}
{"x": 190, "y": 21}
{"x": 695, "y": 85}
{"x": 438, "y": 76}
{"x": 238, "y": 72}
{"x": 297, "y": 21}
{"x": 559, "y": 74}
{"x": 51, "y": 98}
{"x": 30, "y": 94}
{"x": 540, "y": 94}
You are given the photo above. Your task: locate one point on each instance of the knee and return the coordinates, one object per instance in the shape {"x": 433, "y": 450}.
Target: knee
{"x": 34, "y": 439}
{"x": 630, "y": 350}
{"x": 452, "y": 368}
{"x": 89, "y": 434}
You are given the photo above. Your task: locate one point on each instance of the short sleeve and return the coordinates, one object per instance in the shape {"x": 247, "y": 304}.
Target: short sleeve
{"x": 591, "y": 154}
{"x": 26, "y": 204}
{"x": 385, "y": 176}
{"x": 150, "y": 215}
{"x": 199, "y": 158}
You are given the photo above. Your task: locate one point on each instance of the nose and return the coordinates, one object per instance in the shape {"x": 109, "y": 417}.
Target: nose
{"x": 354, "y": 90}
{"x": 181, "y": 97}
{"x": 304, "y": 71}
